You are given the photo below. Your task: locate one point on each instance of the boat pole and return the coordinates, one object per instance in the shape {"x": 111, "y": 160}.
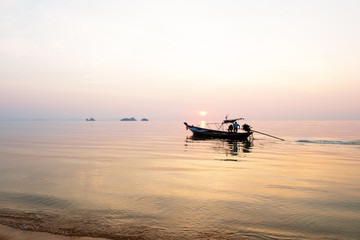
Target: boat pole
{"x": 268, "y": 135}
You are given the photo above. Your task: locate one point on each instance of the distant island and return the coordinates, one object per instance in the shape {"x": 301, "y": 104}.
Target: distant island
{"x": 134, "y": 119}
{"x": 128, "y": 119}
{"x": 90, "y": 119}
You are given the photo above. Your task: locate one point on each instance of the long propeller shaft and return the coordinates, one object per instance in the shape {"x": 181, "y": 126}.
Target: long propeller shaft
{"x": 268, "y": 135}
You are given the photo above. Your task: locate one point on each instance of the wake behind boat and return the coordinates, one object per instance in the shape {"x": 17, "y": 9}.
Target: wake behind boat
{"x": 225, "y": 130}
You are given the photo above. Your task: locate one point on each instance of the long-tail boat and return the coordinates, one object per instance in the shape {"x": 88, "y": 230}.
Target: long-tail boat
{"x": 224, "y": 130}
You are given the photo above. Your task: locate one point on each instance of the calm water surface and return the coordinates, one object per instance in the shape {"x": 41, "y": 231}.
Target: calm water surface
{"x": 152, "y": 180}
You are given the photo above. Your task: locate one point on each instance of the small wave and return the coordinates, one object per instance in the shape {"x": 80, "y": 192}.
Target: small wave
{"x": 356, "y": 142}
{"x": 36, "y": 200}
{"x": 82, "y": 226}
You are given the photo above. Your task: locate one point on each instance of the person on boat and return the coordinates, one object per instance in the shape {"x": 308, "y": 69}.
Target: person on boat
{"x": 236, "y": 126}
{"x": 231, "y": 127}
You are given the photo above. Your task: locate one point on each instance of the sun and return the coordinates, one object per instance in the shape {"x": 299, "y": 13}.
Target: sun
{"x": 203, "y": 113}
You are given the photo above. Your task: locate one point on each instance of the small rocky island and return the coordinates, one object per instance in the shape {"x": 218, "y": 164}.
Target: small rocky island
{"x": 90, "y": 119}
{"x": 128, "y": 119}
{"x": 134, "y": 119}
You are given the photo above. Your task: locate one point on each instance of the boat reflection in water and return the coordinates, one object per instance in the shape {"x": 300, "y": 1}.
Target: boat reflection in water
{"x": 233, "y": 150}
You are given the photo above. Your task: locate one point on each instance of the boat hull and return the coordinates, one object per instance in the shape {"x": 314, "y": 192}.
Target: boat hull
{"x": 210, "y": 133}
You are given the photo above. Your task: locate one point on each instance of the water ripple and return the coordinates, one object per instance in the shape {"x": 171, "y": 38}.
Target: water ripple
{"x": 36, "y": 199}
{"x": 354, "y": 142}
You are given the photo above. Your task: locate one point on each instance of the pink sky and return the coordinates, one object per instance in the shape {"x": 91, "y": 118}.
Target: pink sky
{"x": 168, "y": 60}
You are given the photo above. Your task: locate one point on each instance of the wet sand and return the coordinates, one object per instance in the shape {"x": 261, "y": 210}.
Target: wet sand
{"x": 9, "y": 233}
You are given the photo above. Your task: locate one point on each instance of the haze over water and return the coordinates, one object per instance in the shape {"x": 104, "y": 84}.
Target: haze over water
{"x": 263, "y": 60}
{"x": 152, "y": 180}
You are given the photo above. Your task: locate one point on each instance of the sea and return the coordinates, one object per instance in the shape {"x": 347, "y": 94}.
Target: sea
{"x": 153, "y": 180}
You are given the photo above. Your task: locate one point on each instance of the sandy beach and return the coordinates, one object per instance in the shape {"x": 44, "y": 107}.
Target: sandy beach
{"x": 9, "y": 233}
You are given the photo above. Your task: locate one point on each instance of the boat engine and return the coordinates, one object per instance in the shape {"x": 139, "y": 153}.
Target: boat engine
{"x": 246, "y": 127}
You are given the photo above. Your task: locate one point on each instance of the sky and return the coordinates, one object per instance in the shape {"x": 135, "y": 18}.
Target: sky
{"x": 169, "y": 60}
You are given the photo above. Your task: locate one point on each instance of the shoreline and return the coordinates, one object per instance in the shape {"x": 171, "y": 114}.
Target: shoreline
{"x": 11, "y": 233}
